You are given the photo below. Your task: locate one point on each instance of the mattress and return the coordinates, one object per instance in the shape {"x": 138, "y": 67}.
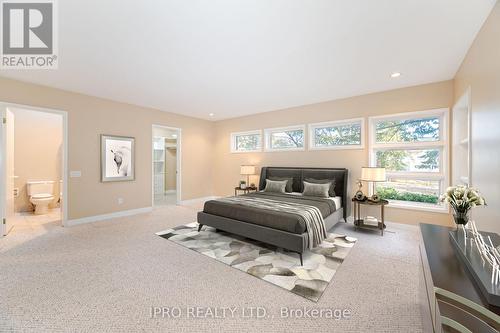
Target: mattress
{"x": 273, "y": 219}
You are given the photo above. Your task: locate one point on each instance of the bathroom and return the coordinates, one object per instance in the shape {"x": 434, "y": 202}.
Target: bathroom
{"x": 37, "y": 155}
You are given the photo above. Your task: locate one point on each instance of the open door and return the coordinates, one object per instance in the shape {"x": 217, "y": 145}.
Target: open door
{"x": 6, "y": 170}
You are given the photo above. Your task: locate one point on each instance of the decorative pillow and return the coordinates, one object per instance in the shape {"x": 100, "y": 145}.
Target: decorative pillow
{"x": 276, "y": 186}
{"x": 324, "y": 181}
{"x": 289, "y": 182}
{"x": 316, "y": 190}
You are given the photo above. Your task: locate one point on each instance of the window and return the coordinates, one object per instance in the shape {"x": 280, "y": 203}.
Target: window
{"x": 413, "y": 149}
{"x": 344, "y": 134}
{"x": 245, "y": 142}
{"x": 285, "y": 139}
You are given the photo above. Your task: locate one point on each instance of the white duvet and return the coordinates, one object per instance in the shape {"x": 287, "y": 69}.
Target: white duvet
{"x": 337, "y": 200}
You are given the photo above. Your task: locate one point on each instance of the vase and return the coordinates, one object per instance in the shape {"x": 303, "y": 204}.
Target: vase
{"x": 461, "y": 218}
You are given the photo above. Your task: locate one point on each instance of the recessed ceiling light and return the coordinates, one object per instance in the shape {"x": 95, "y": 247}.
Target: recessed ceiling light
{"x": 211, "y": 114}
{"x": 174, "y": 136}
{"x": 395, "y": 75}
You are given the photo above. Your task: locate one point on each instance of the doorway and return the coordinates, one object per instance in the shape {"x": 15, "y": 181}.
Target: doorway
{"x": 166, "y": 165}
{"x": 33, "y": 172}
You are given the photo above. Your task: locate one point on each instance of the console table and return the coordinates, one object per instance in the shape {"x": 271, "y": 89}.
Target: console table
{"x": 443, "y": 269}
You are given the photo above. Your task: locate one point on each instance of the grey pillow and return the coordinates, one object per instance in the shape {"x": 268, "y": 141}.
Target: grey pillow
{"x": 289, "y": 182}
{"x": 324, "y": 181}
{"x": 316, "y": 190}
{"x": 276, "y": 186}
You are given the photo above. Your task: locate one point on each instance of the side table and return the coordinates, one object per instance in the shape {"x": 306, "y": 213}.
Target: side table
{"x": 360, "y": 223}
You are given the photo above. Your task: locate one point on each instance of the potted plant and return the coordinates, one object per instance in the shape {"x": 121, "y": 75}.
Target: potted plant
{"x": 243, "y": 184}
{"x": 462, "y": 199}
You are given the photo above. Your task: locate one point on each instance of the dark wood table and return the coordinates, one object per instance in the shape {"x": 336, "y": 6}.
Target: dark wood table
{"x": 447, "y": 271}
{"x": 245, "y": 190}
{"x": 360, "y": 223}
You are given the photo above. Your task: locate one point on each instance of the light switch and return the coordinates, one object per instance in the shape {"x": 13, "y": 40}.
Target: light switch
{"x": 75, "y": 174}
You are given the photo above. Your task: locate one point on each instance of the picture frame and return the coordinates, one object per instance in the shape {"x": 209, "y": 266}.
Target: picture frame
{"x": 117, "y": 158}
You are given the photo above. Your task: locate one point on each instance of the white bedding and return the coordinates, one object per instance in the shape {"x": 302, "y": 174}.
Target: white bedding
{"x": 337, "y": 200}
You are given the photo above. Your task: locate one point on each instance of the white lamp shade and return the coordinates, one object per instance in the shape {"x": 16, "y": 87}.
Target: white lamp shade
{"x": 373, "y": 174}
{"x": 247, "y": 170}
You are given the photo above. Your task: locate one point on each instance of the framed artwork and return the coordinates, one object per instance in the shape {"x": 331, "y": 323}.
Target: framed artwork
{"x": 117, "y": 158}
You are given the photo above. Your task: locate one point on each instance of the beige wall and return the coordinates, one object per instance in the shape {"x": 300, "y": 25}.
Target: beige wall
{"x": 480, "y": 71}
{"x": 226, "y": 169}
{"x": 38, "y": 152}
{"x": 88, "y": 117}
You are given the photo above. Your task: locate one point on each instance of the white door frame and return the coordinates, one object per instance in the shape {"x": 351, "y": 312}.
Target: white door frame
{"x": 64, "y": 114}
{"x": 178, "y": 183}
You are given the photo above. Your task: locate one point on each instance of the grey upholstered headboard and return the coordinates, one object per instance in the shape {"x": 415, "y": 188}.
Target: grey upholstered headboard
{"x": 299, "y": 174}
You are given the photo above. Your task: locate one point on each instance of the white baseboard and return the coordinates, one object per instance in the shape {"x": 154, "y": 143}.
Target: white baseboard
{"x": 95, "y": 218}
{"x": 170, "y": 191}
{"x": 197, "y": 200}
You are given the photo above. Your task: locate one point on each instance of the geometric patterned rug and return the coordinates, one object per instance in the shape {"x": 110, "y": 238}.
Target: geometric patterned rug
{"x": 277, "y": 266}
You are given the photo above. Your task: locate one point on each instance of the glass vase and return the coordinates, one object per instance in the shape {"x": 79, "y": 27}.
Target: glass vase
{"x": 461, "y": 218}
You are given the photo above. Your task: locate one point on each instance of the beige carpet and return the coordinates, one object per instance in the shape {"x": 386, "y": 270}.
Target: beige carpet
{"x": 106, "y": 276}
{"x": 282, "y": 268}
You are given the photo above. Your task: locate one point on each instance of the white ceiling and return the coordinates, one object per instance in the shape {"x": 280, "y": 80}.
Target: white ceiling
{"x": 235, "y": 58}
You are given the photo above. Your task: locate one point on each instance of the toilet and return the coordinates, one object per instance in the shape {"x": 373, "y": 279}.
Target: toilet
{"x": 41, "y": 195}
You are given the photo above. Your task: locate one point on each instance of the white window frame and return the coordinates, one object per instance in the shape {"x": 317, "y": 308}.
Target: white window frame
{"x": 269, "y": 131}
{"x": 233, "y": 137}
{"x": 442, "y": 144}
{"x": 353, "y": 121}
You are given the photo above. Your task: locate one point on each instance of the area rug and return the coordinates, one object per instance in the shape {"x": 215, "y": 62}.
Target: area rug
{"x": 277, "y": 266}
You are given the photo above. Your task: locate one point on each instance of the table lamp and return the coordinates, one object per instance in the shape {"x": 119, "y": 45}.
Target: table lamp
{"x": 373, "y": 175}
{"x": 247, "y": 170}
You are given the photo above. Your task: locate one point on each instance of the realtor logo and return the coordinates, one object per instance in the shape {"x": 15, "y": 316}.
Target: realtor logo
{"x": 28, "y": 34}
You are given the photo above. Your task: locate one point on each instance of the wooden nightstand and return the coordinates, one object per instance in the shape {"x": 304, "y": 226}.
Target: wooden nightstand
{"x": 358, "y": 221}
{"x": 245, "y": 191}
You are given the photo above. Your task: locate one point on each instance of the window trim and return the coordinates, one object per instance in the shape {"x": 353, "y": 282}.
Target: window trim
{"x": 269, "y": 131}
{"x": 443, "y": 144}
{"x": 232, "y": 142}
{"x": 312, "y": 127}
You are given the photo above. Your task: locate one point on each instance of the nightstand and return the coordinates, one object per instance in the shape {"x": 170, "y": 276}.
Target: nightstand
{"x": 245, "y": 191}
{"x": 358, "y": 221}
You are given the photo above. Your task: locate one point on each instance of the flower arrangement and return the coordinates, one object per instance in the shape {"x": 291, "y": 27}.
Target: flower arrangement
{"x": 462, "y": 199}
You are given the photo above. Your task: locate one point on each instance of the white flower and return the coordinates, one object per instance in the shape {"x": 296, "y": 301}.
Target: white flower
{"x": 462, "y": 197}
{"x": 450, "y": 190}
{"x": 459, "y": 193}
{"x": 472, "y": 193}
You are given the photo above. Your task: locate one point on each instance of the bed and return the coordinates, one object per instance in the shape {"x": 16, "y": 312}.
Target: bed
{"x": 279, "y": 228}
